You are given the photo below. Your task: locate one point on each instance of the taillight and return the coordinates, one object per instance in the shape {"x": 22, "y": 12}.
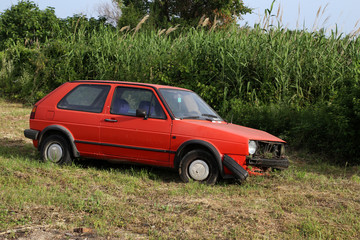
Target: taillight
{"x": 33, "y": 111}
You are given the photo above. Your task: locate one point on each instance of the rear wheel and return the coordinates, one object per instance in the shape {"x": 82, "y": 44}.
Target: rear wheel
{"x": 55, "y": 148}
{"x": 199, "y": 165}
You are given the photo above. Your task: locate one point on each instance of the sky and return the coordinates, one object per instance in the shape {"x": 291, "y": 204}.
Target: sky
{"x": 343, "y": 14}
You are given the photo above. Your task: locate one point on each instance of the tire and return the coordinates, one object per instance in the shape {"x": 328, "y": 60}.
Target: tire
{"x": 200, "y": 166}
{"x": 55, "y": 149}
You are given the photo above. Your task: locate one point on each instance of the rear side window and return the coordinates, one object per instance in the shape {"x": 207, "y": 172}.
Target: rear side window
{"x": 86, "y": 98}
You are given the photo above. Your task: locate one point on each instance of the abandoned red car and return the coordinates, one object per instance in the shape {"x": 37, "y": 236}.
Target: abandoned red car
{"x": 149, "y": 124}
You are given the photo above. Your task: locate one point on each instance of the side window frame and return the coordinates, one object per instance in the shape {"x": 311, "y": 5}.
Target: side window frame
{"x": 152, "y": 98}
{"x": 103, "y": 96}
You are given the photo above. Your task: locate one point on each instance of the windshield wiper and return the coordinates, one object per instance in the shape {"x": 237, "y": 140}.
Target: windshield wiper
{"x": 198, "y": 117}
{"x": 190, "y": 117}
{"x": 210, "y": 115}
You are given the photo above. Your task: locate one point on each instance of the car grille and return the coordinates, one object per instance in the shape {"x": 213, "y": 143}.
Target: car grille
{"x": 269, "y": 150}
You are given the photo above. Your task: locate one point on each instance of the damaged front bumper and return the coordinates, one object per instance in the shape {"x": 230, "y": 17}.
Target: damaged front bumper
{"x": 268, "y": 163}
{"x": 268, "y": 155}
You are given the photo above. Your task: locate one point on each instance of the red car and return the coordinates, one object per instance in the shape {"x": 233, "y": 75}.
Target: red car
{"x": 149, "y": 124}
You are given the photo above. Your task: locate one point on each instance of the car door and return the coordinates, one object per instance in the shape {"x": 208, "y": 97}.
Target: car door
{"x": 126, "y": 136}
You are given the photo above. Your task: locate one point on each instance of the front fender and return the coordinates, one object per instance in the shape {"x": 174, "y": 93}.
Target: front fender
{"x": 193, "y": 144}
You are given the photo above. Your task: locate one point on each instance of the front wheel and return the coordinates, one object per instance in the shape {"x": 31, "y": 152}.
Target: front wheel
{"x": 55, "y": 148}
{"x": 199, "y": 165}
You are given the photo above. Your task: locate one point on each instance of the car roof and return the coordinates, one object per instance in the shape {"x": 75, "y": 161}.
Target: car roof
{"x": 156, "y": 86}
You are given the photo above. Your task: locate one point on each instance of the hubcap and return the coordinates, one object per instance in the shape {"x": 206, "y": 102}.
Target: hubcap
{"x": 54, "y": 152}
{"x": 199, "y": 170}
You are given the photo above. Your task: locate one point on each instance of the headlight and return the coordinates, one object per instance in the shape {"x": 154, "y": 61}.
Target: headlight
{"x": 252, "y": 147}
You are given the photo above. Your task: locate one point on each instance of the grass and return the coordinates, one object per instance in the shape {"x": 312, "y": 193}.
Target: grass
{"x": 309, "y": 200}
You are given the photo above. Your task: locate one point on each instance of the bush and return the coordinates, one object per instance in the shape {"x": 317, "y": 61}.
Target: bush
{"x": 331, "y": 129}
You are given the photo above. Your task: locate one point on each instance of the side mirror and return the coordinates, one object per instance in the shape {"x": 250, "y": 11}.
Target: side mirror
{"x": 141, "y": 113}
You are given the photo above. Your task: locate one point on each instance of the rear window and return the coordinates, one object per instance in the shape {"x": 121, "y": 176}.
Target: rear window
{"x": 86, "y": 98}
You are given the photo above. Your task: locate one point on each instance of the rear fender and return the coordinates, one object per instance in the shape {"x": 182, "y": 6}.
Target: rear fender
{"x": 64, "y": 131}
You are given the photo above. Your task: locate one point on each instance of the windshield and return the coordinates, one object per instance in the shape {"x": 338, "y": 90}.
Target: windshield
{"x": 188, "y": 105}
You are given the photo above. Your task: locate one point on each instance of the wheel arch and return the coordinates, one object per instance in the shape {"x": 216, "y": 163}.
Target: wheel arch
{"x": 197, "y": 144}
{"x": 57, "y": 129}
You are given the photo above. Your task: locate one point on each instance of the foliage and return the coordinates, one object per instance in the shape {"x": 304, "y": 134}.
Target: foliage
{"x": 164, "y": 13}
{"x": 328, "y": 129}
{"x": 25, "y": 22}
{"x": 132, "y": 12}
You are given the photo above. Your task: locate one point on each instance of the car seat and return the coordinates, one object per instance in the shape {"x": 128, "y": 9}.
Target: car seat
{"x": 146, "y": 105}
{"x": 120, "y": 106}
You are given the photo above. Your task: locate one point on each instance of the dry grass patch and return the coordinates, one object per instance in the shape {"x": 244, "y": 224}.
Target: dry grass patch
{"x": 14, "y": 118}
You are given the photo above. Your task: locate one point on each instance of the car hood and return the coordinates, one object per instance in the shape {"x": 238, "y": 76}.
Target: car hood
{"x": 218, "y": 130}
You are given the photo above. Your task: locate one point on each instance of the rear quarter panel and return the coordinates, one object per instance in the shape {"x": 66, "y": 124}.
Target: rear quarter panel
{"x": 83, "y": 126}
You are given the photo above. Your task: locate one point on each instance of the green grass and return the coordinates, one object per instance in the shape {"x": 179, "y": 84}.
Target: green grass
{"x": 309, "y": 200}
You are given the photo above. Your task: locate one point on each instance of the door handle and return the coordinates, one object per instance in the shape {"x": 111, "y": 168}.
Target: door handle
{"x": 110, "y": 120}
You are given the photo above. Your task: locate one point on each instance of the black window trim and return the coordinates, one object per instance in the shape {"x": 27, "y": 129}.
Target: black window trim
{"x": 120, "y": 83}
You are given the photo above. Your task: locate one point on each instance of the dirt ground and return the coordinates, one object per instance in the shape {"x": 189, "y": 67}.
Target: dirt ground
{"x": 48, "y": 233}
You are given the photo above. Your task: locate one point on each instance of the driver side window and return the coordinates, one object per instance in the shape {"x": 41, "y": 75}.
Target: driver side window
{"x": 127, "y": 100}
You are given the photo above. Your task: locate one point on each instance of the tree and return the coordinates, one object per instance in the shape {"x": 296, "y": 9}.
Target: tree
{"x": 110, "y": 11}
{"x": 225, "y": 11}
{"x": 26, "y": 22}
{"x": 164, "y": 13}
